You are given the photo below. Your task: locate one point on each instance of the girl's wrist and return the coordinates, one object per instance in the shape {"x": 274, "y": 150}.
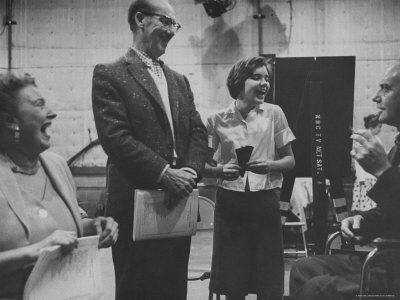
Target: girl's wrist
{"x": 271, "y": 166}
{"x": 218, "y": 171}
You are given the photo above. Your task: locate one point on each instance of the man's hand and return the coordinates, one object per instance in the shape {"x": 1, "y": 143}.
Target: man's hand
{"x": 350, "y": 228}
{"x": 369, "y": 153}
{"x": 179, "y": 183}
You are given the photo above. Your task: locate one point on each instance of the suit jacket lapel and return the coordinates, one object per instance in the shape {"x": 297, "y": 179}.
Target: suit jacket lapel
{"x": 66, "y": 194}
{"x": 172, "y": 95}
{"x": 139, "y": 70}
{"x": 11, "y": 192}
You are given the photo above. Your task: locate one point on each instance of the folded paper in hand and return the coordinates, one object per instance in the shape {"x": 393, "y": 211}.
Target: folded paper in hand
{"x": 152, "y": 220}
{"x": 75, "y": 275}
{"x": 243, "y": 155}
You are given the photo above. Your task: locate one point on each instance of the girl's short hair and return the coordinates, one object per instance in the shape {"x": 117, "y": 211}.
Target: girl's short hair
{"x": 241, "y": 71}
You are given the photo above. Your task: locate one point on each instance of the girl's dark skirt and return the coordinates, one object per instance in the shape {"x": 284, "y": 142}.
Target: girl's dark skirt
{"x": 247, "y": 247}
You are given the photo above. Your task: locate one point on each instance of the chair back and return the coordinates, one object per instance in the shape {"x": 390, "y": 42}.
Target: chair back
{"x": 339, "y": 203}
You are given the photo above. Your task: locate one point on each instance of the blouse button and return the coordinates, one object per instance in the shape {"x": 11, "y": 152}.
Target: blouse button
{"x": 42, "y": 213}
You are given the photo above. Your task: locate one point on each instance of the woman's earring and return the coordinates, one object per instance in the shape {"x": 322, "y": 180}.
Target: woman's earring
{"x": 16, "y": 134}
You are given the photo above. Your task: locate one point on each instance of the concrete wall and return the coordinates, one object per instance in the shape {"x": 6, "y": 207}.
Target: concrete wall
{"x": 60, "y": 41}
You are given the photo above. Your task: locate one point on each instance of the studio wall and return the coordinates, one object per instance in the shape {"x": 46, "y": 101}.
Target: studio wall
{"x": 60, "y": 41}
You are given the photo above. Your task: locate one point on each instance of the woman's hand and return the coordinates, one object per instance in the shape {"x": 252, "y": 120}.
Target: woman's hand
{"x": 107, "y": 229}
{"x": 18, "y": 258}
{"x": 259, "y": 167}
{"x": 68, "y": 240}
{"x": 228, "y": 171}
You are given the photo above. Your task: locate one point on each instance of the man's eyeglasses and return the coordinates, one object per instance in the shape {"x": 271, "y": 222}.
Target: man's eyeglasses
{"x": 166, "y": 21}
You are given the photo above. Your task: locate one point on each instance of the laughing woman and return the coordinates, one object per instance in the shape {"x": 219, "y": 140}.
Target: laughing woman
{"x": 247, "y": 250}
{"x": 38, "y": 205}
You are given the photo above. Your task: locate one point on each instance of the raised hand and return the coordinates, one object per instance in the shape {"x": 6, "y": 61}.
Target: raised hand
{"x": 369, "y": 153}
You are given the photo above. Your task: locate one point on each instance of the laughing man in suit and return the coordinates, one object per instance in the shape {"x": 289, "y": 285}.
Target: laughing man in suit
{"x": 154, "y": 138}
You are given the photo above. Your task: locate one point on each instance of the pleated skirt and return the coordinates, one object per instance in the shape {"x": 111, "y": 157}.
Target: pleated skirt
{"x": 247, "y": 245}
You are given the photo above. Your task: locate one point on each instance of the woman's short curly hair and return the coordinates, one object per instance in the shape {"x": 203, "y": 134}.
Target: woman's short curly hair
{"x": 241, "y": 71}
{"x": 10, "y": 84}
{"x": 371, "y": 121}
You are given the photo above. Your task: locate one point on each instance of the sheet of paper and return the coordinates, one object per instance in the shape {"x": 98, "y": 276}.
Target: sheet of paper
{"x": 76, "y": 275}
{"x": 151, "y": 219}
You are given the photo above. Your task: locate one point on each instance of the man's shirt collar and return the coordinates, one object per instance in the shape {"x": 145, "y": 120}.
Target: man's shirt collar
{"x": 147, "y": 60}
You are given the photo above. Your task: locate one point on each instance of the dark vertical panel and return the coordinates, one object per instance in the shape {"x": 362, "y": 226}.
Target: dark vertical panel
{"x": 305, "y": 88}
{"x": 292, "y": 94}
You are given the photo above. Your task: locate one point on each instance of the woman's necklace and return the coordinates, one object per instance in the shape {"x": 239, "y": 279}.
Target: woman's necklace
{"x": 23, "y": 170}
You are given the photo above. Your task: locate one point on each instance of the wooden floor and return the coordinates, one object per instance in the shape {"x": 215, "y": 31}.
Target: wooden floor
{"x": 200, "y": 261}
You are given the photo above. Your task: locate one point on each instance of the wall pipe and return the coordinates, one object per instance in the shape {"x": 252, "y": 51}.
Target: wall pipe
{"x": 259, "y": 16}
{"x": 9, "y": 22}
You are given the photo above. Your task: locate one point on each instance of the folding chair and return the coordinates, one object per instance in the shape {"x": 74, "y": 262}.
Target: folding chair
{"x": 391, "y": 249}
{"x": 341, "y": 212}
{"x": 378, "y": 249}
{"x": 299, "y": 227}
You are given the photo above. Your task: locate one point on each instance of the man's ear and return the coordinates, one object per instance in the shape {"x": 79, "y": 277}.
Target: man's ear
{"x": 139, "y": 19}
{"x": 9, "y": 121}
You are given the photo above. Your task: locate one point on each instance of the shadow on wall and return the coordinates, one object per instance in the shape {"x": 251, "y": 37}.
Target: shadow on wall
{"x": 222, "y": 45}
{"x": 275, "y": 40}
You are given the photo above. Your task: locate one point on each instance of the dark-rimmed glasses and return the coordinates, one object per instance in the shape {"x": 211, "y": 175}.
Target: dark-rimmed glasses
{"x": 165, "y": 20}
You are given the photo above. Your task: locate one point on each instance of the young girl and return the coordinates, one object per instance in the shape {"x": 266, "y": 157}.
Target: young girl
{"x": 247, "y": 250}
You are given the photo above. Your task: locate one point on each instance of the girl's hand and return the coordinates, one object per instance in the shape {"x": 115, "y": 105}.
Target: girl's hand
{"x": 228, "y": 171}
{"x": 259, "y": 167}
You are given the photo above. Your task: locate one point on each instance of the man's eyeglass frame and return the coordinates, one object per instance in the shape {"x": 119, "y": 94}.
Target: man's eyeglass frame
{"x": 165, "y": 20}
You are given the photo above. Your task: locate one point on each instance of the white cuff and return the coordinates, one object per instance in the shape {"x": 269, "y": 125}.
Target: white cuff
{"x": 162, "y": 173}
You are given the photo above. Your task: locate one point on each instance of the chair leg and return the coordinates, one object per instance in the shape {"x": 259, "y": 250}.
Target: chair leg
{"x": 304, "y": 241}
{"x": 211, "y": 296}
